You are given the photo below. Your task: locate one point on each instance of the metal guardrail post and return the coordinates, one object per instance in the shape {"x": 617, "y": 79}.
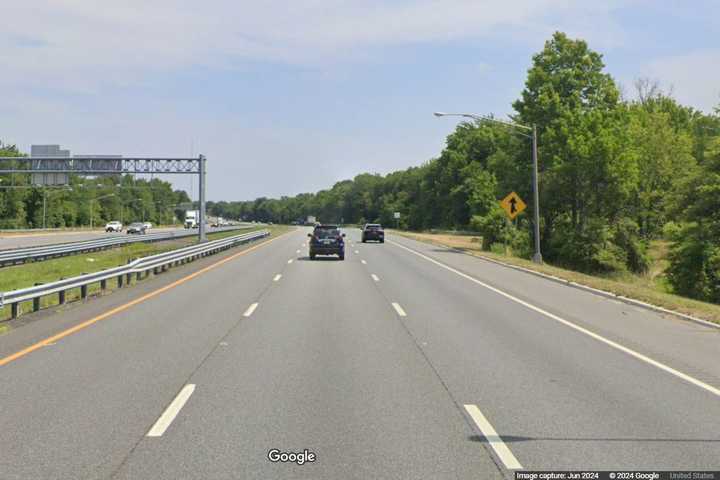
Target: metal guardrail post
{"x": 36, "y": 301}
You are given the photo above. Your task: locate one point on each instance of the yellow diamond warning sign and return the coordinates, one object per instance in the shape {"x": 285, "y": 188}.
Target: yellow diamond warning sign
{"x": 513, "y": 205}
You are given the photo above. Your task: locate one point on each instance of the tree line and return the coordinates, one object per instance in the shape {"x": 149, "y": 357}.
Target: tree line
{"x": 86, "y": 201}
{"x": 615, "y": 173}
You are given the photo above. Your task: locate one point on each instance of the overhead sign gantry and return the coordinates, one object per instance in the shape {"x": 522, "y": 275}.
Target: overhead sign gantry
{"x": 103, "y": 165}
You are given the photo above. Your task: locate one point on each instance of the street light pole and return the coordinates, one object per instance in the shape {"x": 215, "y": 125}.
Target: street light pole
{"x": 44, "y": 207}
{"x": 202, "y": 237}
{"x": 537, "y": 256}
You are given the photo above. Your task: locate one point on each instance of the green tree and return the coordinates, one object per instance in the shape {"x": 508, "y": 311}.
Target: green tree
{"x": 588, "y": 171}
{"x": 695, "y": 258}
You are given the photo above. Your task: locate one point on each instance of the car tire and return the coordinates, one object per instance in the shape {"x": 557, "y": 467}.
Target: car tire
{"x": 312, "y": 256}
{"x": 341, "y": 257}
{"x": 382, "y": 241}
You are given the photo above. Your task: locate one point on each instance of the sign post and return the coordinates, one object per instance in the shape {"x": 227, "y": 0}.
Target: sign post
{"x": 397, "y": 220}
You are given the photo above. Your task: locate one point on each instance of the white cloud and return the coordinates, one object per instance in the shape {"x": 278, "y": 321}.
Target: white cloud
{"x": 693, "y": 77}
{"x": 83, "y": 44}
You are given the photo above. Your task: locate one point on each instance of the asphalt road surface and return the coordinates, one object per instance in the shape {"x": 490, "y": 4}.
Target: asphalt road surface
{"x": 405, "y": 360}
{"x": 29, "y": 239}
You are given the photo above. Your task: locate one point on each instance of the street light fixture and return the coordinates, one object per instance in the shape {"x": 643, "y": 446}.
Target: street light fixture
{"x": 537, "y": 257}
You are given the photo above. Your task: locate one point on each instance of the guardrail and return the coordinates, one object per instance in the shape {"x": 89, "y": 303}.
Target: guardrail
{"x": 20, "y": 255}
{"x": 123, "y": 274}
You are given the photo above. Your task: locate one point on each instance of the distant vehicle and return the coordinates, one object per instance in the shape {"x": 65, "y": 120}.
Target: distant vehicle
{"x": 373, "y": 231}
{"x": 327, "y": 240}
{"x": 220, "y": 222}
{"x": 136, "y": 227}
{"x": 148, "y": 225}
{"x": 311, "y": 220}
{"x": 114, "y": 226}
{"x": 192, "y": 219}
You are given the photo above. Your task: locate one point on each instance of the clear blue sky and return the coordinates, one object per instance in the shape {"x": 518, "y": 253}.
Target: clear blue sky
{"x": 291, "y": 96}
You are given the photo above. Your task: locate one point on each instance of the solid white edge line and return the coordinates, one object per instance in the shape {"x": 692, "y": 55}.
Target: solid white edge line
{"x": 644, "y": 358}
{"x": 250, "y": 310}
{"x": 171, "y": 411}
{"x": 277, "y": 277}
{"x": 375, "y": 277}
{"x": 399, "y": 309}
{"x": 497, "y": 444}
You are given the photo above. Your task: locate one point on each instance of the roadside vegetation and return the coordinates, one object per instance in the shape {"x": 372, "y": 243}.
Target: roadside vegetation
{"x": 621, "y": 180}
{"x": 26, "y": 275}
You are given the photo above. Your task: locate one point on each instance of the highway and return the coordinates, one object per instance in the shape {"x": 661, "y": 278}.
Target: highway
{"x": 49, "y": 238}
{"x": 12, "y": 240}
{"x": 406, "y": 360}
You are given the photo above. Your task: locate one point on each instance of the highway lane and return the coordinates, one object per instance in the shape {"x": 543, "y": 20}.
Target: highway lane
{"x": 323, "y": 363}
{"x": 369, "y": 363}
{"x": 8, "y": 241}
{"x": 560, "y": 398}
{"x": 75, "y": 409}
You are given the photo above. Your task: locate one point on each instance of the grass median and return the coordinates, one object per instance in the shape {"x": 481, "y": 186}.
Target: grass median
{"x": 651, "y": 288}
{"x": 29, "y": 274}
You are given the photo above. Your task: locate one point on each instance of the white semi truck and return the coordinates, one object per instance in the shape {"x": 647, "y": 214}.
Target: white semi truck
{"x": 192, "y": 219}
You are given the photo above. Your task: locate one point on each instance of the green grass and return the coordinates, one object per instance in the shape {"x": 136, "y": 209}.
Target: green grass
{"x": 26, "y": 275}
{"x": 651, "y": 288}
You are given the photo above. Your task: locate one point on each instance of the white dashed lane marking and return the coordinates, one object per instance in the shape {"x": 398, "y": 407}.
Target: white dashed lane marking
{"x": 250, "y": 310}
{"x": 399, "y": 309}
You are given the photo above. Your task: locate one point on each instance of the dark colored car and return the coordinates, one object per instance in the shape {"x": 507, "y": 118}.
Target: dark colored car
{"x": 327, "y": 240}
{"x": 373, "y": 231}
{"x": 136, "y": 228}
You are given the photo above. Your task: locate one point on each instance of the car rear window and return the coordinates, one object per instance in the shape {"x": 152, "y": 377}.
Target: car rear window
{"x": 374, "y": 227}
{"x": 327, "y": 232}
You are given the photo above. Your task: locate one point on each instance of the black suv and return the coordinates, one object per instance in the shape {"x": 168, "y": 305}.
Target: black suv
{"x": 373, "y": 231}
{"x": 327, "y": 240}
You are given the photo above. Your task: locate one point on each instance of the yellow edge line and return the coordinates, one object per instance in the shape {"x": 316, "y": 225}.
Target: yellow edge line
{"x": 118, "y": 309}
